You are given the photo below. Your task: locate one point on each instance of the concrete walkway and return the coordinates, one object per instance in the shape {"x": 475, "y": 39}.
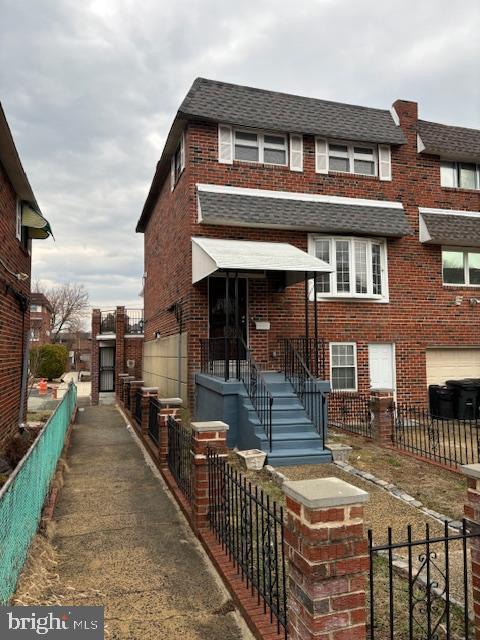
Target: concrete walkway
{"x": 119, "y": 533}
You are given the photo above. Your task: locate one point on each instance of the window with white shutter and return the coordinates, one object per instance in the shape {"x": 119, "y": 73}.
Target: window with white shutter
{"x": 321, "y": 156}
{"x": 384, "y": 162}
{"x": 225, "y": 144}
{"x": 296, "y": 152}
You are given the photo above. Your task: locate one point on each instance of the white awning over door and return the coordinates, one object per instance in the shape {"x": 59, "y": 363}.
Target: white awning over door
{"x": 211, "y": 254}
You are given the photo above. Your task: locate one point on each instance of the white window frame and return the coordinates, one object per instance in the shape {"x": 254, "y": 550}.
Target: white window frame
{"x": 456, "y": 174}
{"x": 18, "y": 219}
{"x": 333, "y": 294}
{"x": 355, "y": 363}
{"x": 37, "y": 309}
{"x": 351, "y": 157}
{"x": 261, "y": 146}
{"x": 466, "y": 274}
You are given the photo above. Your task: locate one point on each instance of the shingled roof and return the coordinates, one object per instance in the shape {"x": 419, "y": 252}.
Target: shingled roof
{"x": 457, "y": 143}
{"x": 250, "y": 107}
{"x": 455, "y": 228}
{"x": 324, "y": 215}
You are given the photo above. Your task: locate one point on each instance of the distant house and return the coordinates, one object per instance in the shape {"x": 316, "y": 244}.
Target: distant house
{"x": 40, "y": 319}
{"x": 20, "y": 222}
{"x": 375, "y": 211}
{"x": 79, "y": 346}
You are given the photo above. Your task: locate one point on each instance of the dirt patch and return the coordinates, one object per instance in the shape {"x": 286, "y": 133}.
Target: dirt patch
{"x": 438, "y": 489}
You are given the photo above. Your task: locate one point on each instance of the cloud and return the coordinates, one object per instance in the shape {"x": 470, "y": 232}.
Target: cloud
{"x": 91, "y": 88}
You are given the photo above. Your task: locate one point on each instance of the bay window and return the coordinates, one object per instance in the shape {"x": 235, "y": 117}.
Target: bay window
{"x": 359, "y": 267}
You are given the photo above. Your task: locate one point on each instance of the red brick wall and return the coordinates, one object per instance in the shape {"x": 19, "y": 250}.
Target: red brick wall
{"x": 420, "y": 312}
{"x": 11, "y": 333}
{"x": 41, "y": 322}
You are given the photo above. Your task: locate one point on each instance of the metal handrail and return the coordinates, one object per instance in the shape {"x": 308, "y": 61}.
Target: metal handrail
{"x": 305, "y": 386}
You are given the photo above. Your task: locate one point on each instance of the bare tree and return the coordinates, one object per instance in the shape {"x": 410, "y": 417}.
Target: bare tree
{"x": 70, "y": 306}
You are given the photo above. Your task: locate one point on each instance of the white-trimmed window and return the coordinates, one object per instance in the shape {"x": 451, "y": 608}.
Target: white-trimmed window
{"x": 177, "y": 162}
{"x": 460, "y": 175}
{"x": 360, "y": 267}
{"x": 266, "y": 148}
{"x": 356, "y": 158}
{"x": 18, "y": 219}
{"x": 36, "y": 308}
{"x": 461, "y": 266}
{"x": 343, "y": 366}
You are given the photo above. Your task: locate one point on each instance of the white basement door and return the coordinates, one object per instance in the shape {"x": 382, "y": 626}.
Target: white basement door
{"x": 452, "y": 364}
{"x": 381, "y": 366}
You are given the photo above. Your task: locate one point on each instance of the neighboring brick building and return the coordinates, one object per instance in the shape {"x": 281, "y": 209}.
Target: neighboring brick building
{"x": 79, "y": 346}
{"x": 117, "y": 345}
{"x": 378, "y": 195}
{"x": 20, "y": 221}
{"x": 40, "y": 319}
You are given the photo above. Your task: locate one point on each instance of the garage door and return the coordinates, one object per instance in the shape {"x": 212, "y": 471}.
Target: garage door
{"x": 452, "y": 364}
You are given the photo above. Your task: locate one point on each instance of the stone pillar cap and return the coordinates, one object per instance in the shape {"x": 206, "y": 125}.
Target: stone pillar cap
{"x": 322, "y": 493}
{"x": 212, "y": 425}
{"x": 136, "y": 381}
{"x": 381, "y": 390}
{"x": 149, "y": 389}
{"x": 471, "y": 470}
{"x": 123, "y": 375}
{"x": 166, "y": 401}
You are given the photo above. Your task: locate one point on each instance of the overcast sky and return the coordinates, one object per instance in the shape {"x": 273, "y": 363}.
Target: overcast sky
{"x": 90, "y": 89}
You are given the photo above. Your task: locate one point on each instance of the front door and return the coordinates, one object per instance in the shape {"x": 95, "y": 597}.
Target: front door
{"x": 217, "y": 308}
{"x": 381, "y": 364}
{"x": 107, "y": 369}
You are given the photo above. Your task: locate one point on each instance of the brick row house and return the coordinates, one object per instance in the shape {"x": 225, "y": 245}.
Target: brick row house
{"x": 20, "y": 222}
{"x": 40, "y": 319}
{"x": 354, "y": 226}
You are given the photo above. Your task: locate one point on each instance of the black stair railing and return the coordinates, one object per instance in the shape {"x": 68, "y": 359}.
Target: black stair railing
{"x": 304, "y": 383}
{"x": 230, "y": 358}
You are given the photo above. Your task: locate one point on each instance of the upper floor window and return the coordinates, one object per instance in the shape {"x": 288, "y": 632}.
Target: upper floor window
{"x": 177, "y": 163}
{"x": 18, "y": 219}
{"x": 359, "y": 267}
{"x": 36, "y": 308}
{"x": 353, "y": 157}
{"x": 462, "y": 175}
{"x": 461, "y": 266}
{"x": 260, "y": 147}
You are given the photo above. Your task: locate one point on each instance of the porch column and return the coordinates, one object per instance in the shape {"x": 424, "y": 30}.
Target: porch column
{"x": 327, "y": 559}
{"x": 168, "y": 407}
{"x": 119, "y": 343}
{"x": 205, "y": 435}
{"x": 382, "y": 407}
{"x": 472, "y": 513}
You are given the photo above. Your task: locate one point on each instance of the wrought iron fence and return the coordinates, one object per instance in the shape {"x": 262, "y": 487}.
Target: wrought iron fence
{"x": 421, "y": 589}
{"x": 221, "y": 357}
{"x": 179, "y": 458}
{"x": 134, "y": 322}
{"x": 312, "y": 352}
{"x": 305, "y": 385}
{"x": 153, "y": 426}
{"x": 350, "y": 412}
{"x": 138, "y": 407}
{"x": 107, "y": 322}
{"x": 445, "y": 440}
{"x": 127, "y": 396}
{"x": 250, "y": 528}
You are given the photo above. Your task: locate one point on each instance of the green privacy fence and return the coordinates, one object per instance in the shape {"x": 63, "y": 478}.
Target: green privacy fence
{"x": 23, "y": 495}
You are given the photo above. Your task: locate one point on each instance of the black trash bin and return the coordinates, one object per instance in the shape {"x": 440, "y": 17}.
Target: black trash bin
{"x": 433, "y": 399}
{"x": 445, "y": 403}
{"x": 466, "y": 398}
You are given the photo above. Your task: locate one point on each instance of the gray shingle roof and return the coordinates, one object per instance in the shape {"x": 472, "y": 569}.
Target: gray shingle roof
{"x": 454, "y": 142}
{"x": 452, "y": 229}
{"x": 271, "y": 212}
{"x": 249, "y": 107}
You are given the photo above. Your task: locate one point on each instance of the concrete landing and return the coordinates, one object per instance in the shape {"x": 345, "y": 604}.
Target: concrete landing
{"x": 124, "y": 544}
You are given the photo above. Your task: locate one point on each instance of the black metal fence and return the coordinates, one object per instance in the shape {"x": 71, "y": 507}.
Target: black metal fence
{"x": 153, "y": 426}
{"x": 134, "y": 321}
{"x": 421, "y": 589}
{"x": 250, "y": 528}
{"x": 107, "y": 322}
{"x": 137, "y": 413}
{"x": 447, "y": 441}
{"x": 305, "y": 384}
{"x": 179, "y": 458}
{"x": 127, "y": 396}
{"x": 350, "y": 412}
{"x": 312, "y": 352}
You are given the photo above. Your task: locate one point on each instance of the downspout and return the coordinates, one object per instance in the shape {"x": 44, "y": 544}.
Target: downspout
{"x": 25, "y": 358}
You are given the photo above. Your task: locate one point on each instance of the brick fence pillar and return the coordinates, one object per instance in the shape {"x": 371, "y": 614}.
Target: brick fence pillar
{"x": 120, "y": 388}
{"x": 126, "y": 380}
{"x": 168, "y": 407}
{"x": 472, "y": 513}
{"x": 135, "y": 385}
{"x": 204, "y": 435}
{"x": 147, "y": 393}
{"x": 94, "y": 357}
{"x": 327, "y": 560}
{"x": 382, "y": 405}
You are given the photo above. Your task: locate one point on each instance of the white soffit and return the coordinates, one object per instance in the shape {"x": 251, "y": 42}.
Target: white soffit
{"x": 211, "y": 254}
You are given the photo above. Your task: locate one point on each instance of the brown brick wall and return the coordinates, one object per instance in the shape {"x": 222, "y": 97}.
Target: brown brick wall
{"x": 420, "y": 313}
{"x": 41, "y": 322}
{"x": 11, "y": 330}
